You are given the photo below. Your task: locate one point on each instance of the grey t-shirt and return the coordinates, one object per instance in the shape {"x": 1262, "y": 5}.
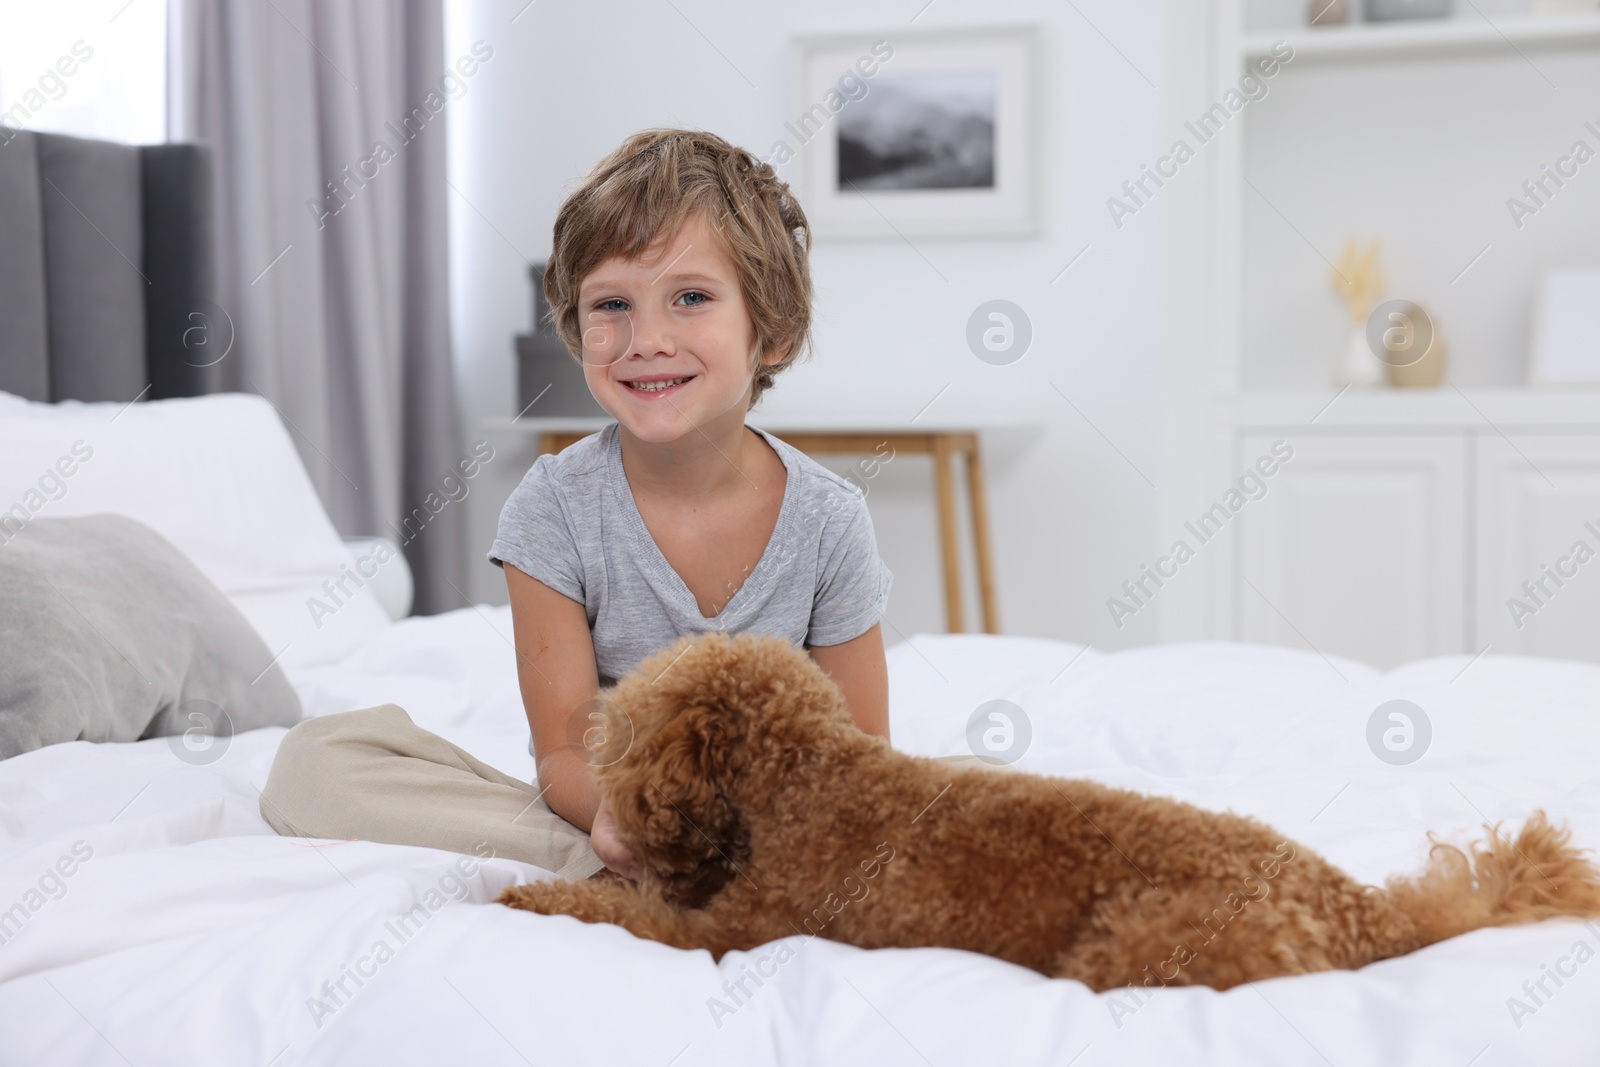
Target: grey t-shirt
{"x": 572, "y": 524}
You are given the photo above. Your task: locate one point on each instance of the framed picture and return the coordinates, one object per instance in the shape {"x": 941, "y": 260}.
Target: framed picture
{"x": 1565, "y": 348}
{"x": 925, "y": 133}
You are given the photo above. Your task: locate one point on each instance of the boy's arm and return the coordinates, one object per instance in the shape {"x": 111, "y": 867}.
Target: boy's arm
{"x": 557, "y": 674}
{"x": 858, "y": 668}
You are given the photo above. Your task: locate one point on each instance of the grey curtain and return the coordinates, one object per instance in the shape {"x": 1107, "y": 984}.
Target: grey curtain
{"x": 328, "y": 128}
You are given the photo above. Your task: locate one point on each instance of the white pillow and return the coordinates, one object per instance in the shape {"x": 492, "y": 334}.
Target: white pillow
{"x": 217, "y": 476}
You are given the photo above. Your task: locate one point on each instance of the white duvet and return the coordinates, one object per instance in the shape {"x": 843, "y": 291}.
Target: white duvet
{"x": 150, "y": 916}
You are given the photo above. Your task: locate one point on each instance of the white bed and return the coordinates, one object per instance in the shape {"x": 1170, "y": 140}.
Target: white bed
{"x": 196, "y": 935}
{"x": 189, "y": 933}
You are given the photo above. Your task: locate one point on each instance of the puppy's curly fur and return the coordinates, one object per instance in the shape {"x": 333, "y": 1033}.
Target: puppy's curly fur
{"x": 758, "y": 810}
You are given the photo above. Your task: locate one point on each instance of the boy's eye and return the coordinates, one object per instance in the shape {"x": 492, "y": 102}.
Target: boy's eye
{"x": 693, "y": 298}
{"x": 614, "y": 304}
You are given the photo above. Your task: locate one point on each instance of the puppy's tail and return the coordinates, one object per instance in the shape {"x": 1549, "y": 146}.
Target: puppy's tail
{"x": 1498, "y": 882}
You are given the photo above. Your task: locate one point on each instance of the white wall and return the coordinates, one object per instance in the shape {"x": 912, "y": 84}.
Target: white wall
{"x": 1425, "y": 155}
{"x": 1071, "y": 511}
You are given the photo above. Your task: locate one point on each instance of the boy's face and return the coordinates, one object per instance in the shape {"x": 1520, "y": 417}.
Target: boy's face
{"x": 667, "y": 343}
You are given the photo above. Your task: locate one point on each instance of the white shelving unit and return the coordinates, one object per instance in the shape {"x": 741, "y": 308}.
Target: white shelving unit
{"x": 1454, "y": 36}
{"x": 1448, "y": 408}
{"x": 1407, "y": 518}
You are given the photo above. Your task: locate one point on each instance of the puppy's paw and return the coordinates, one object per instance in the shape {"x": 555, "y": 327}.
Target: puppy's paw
{"x": 640, "y": 911}
{"x": 546, "y": 898}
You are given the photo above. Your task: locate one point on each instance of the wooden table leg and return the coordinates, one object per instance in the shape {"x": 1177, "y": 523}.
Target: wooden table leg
{"x": 980, "y": 538}
{"x": 551, "y": 443}
{"x": 950, "y": 548}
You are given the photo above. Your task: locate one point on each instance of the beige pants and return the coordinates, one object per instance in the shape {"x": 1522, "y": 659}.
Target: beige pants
{"x": 375, "y": 775}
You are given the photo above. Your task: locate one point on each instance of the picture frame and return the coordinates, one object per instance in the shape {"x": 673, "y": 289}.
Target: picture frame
{"x": 1564, "y": 346}
{"x": 927, "y": 133}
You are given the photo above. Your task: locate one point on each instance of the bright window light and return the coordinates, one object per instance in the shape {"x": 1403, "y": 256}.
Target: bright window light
{"x": 92, "y": 68}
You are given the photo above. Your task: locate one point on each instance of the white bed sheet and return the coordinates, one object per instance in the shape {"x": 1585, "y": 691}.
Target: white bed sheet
{"x": 194, "y": 935}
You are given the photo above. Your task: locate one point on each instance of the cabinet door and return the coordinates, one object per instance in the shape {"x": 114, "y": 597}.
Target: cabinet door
{"x": 1538, "y": 590}
{"x": 1358, "y": 548}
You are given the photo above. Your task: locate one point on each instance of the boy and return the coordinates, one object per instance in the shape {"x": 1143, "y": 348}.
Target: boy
{"x": 679, "y": 278}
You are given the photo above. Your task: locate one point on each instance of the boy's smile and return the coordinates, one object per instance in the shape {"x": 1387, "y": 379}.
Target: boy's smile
{"x": 655, "y": 386}
{"x": 668, "y": 344}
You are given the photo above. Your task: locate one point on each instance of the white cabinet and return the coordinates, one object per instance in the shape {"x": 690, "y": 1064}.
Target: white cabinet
{"x": 1416, "y": 524}
{"x": 1538, "y": 524}
{"x": 1358, "y": 549}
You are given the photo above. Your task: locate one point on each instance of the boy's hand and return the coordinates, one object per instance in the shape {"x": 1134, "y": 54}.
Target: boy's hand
{"x": 603, "y": 839}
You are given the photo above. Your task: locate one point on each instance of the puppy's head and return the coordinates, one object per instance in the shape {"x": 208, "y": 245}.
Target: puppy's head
{"x": 693, "y": 738}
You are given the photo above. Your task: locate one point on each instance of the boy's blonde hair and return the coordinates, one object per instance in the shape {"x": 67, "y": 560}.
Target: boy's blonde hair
{"x": 647, "y": 188}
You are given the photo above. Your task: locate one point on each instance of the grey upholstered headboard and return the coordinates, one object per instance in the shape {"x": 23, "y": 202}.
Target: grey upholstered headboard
{"x": 107, "y": 257}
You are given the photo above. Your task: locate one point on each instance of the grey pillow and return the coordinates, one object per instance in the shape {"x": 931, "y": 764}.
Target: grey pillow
{"x": 109, "y": 633}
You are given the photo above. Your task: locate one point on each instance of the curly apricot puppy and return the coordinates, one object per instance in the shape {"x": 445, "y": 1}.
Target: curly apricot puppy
{"x": 758, "y": 810}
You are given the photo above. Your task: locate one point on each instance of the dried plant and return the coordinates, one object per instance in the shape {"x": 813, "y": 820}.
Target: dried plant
{"x": 1359, "y": 278}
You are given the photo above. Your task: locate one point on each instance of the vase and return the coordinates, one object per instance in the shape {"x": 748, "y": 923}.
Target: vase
{"x": 1357, "y": 365}
{"x": 1425, "y": 373}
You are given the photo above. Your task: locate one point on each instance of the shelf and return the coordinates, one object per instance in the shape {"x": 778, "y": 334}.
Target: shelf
{"x": 1451, "y": 36}
{"x": 1487, "y": 408}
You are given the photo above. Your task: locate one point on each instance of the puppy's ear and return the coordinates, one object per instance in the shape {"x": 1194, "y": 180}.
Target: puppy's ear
{"x": 680, "y": 820}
